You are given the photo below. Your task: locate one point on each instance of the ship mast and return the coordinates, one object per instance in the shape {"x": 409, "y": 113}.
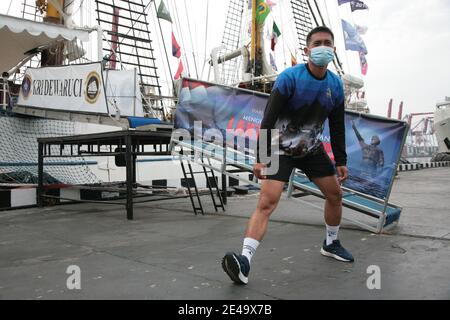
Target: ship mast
{"x": 254, "y": 33}
{"x": 256, "y": 50}
{"x": 54, "y": 13}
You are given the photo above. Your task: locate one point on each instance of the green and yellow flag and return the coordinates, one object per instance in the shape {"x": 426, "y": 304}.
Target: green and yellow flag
{"x": 262, "y": 11}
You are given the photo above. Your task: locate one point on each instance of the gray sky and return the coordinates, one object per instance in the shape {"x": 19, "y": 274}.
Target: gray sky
{"x": 408, "y": 43}
{"x": 409, "y": 53}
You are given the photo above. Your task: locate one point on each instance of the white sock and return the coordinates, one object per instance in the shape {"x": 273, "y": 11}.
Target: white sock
{"x": 332, "y": 234}
{"x": 249, "y": 248}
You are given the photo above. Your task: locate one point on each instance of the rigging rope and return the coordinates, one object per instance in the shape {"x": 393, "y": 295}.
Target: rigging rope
{"x": 284, "y": 42}
{"x": 346, "y": 53}
{"x": 192, "y": 42}
{"x": 206, "y": 36}
{"x": 290, "y": 42}
{"x": 329, "y": 23}
{"x": 327, "y": 13}
{"x": 179, "y": 31}
{"x": 78, "y": 9}
{"x": 170, "y": 78}
{"x": 9, "y": 7}
{"x": 162, "y": 48}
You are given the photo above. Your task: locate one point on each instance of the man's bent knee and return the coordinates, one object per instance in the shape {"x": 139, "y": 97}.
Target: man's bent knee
{"x": 268, "y": 202}
{"x": 269, "y": 196}
{"x": 335, "y": 197}
{"x": 267, "y": 206}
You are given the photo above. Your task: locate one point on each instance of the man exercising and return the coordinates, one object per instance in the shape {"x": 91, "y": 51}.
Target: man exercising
{"x": 303, "y": 97}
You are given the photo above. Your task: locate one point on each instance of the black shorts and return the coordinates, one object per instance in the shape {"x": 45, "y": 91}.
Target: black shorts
{"x": 317, "y": 165}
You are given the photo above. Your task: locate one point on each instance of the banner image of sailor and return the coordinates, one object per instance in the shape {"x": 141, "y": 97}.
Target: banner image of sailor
{"x": 373, "y": 147}
{"x": 372, "y": 159}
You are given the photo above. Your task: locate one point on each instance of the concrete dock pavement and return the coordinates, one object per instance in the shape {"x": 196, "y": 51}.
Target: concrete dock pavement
{"x": 169, "y": 253}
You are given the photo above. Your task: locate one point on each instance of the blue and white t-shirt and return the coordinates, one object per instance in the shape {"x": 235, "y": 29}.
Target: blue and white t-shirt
{"x": 299, "y": 105}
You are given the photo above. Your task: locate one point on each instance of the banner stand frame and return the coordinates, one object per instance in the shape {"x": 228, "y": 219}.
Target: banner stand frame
{"x": 382, "y": 219}
{"x": 366, "y": 197}
{"x": 223, "y": 158}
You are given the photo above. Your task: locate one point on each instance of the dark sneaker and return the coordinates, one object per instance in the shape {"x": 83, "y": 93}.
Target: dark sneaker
{"x": 335, "y": 250}
{"x": 236, "y": 267}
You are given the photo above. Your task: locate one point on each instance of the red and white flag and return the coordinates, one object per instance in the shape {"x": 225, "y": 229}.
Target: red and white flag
{"x": 363, "y": 62}
{"x": 179, "y": 71}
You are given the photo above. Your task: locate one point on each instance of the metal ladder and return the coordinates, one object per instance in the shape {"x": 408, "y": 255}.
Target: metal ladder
{"x": 301, "y": 12}
{"x": 231, "y": 39}
{"x": 211, "y": 182}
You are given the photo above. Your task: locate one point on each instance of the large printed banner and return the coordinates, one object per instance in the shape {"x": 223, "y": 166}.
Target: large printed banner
{"x": 373, "y": 144}
{"x": 373, "y": 148}
{"x": 73, "y": 88}
{"x": 218, "y": 107}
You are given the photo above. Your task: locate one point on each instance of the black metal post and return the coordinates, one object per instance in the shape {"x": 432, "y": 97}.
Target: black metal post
{"x": 224, "y": 177}
{"x": 129, "y": 182}
{"x": 135, "y": 149}
{"x": 40, "y": 188}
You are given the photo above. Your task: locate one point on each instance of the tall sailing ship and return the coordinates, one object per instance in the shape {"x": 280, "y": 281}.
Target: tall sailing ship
{"x": 132, "y": 42}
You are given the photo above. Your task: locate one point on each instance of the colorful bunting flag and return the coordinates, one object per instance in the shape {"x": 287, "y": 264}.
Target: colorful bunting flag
{"x": 272, "y": 62}
{"x": 363, "y": 62}
{"x": 343, "y": 1}
{"x": 179, "y": 70}
{"x": 270, "y": 3}
{"x": 293, "y": 60}
{"x": 361, "y": 29}
{"x": 352, "y": 39}
{"x": 163, "y": 12}
{"x": 176, "y": 49}
{"x": 262, "y": 11}
{"x": 275, "y": 35}
{"x": 358, "y": 5}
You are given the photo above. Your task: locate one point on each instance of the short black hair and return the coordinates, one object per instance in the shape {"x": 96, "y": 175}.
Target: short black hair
{"x": 317, "y": 30}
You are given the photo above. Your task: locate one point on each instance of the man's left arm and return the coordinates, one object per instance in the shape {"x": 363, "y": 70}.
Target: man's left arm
{"x": 336, "y": 121}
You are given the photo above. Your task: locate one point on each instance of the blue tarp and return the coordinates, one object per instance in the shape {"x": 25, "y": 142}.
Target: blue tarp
{"x": 139, "y": 121}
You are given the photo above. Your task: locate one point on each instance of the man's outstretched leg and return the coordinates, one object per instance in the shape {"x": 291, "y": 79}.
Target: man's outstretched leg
{"x": 333, "y": 214}
{"x": 238, "y": 266}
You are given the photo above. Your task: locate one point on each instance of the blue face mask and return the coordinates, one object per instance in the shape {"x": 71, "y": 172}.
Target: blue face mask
{"x": 322, "y": 56}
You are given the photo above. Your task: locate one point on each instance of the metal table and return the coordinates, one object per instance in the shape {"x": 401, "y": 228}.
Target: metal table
{"x": 126, "y": 145}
